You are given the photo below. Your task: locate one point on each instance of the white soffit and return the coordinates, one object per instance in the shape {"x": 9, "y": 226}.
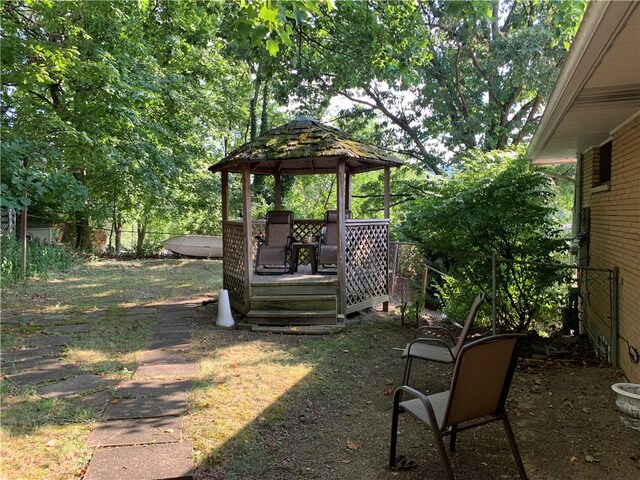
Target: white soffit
{"x": 598, "y": 87}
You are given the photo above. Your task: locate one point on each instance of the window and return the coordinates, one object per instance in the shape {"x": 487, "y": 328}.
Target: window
{"x": 604, "y": 163}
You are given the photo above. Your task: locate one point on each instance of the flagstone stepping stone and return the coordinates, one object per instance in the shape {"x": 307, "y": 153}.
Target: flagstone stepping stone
{"x": 169, "y": 326}
{"x": 136, "y": 432}
{"x": 177, "y": 314}
{"x": 150, "y": 462}
{"x": 75, "y": 386}
{"x": 51, "y": 320}
{"x": 46, "y": 341}
{"x": 14, "y": 320}
{"x": 147, "y": 407}
{"x": 30, "y": 354}
{"x": 45, "y": 374}
{"x": 164, "y": 356}
{"x": 159, "y": 371}
{"x": 76, "y": 328}
{"x": 152, "y": 388}
{"x": 176, "y": 337}
{"x": 169, "y": 345}
{"x": 96, "y": 402}
{"x": 134, "y": 312}
{"x": 30, "y": 364}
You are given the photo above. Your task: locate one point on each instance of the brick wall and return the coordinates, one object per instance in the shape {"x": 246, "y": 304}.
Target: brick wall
{"x": 614, "y": 237}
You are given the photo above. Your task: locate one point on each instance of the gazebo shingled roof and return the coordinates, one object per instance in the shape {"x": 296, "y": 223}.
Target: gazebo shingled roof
{"x": 305, "y": 146}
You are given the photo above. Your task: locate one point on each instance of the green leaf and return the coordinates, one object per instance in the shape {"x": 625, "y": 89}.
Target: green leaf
{"x": 272, "y": 47}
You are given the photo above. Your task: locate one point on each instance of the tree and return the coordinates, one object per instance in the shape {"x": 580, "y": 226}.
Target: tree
{"x": 494, "y": 205}
{"x": 443, "y": 77}
{"x": 119, "y": 98}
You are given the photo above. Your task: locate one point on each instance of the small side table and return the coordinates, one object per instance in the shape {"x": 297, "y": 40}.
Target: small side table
{"x": 295, "y": 254}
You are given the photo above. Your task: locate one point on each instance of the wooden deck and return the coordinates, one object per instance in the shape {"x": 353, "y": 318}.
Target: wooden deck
{"x": 303, "y": 298}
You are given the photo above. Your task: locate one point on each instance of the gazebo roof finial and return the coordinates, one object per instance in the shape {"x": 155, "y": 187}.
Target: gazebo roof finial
{"x": 305, "y": 118}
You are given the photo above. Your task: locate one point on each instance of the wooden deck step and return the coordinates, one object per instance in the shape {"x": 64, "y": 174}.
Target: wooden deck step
{"x": 294, "y": 302}
{"x": 292, "y": 317}
{"x": 299, "y": 329}
{"x": 283, "y": 288}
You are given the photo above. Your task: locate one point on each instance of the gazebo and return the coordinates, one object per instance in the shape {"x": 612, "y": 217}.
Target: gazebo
{"x": 304, "y": 146}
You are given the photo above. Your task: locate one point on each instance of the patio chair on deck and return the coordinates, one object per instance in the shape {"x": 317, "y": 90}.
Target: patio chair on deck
{"x": 274, "y": 249}
{"x": 328, "y": 243}
{"x": 435, "y": 349}
{"x": 479, "y": 388}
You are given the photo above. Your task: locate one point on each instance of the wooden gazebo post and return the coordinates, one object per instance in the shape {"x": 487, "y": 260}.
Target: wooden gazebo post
{"x": 247, "y": 229}
{"x": 387, "y": 208}
{"x": 278, "y": 191}
{"x": 225, "y": 196}
{"x": 342, "y": 230}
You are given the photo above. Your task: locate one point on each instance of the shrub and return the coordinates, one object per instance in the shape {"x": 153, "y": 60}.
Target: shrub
{"x": 42, "y": 258}
{"x": 495, "y": 205}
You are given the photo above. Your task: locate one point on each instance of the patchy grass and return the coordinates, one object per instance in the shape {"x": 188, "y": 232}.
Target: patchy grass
{"x": 115, "y": 285}
{"x": 45, "y": 438}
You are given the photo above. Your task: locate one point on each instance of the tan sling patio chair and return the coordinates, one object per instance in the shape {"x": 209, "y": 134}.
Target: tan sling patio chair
{"x": 274, "y": 249}
{"x": 434, "y": 349}
{"x": 328, "y": 243}
{"x": 479, "y": 388}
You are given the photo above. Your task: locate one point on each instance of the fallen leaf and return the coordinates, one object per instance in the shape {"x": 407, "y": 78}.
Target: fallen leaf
{"x": 114, "y": 400}
{"x": 346, "y": 461}
{"x": 352, "y": 445}
{"x": 387, "y": 391}
{"x": 168, "y": 430}
{"x": 234, "y": 365}
{"x": 573, "y": 459}
{"x": 591, "y": 459}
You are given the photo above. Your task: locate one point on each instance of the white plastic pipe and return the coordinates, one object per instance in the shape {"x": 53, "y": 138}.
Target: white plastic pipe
{"x": 224, "y": 310}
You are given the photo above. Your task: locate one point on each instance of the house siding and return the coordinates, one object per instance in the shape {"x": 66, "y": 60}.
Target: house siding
{"x": 614, "y": 232}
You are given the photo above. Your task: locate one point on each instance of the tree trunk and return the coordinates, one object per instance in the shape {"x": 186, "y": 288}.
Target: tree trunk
{"x": 264, "y": 118}
{"x": 253, "y": 107}
{"x": 117, "y": 228}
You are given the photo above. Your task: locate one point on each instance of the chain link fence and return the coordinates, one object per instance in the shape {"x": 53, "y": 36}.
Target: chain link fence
{"x": 574, "y": 299}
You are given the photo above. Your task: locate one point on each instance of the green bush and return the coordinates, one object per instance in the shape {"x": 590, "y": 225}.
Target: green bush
{"x": 495, "y": 205}
{"x": 42, "y": 259}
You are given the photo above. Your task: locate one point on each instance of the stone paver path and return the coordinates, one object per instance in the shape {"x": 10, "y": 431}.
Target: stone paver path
{"x": 141, "y": 436}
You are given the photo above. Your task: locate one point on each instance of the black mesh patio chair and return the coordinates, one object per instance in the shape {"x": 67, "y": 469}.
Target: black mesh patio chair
{"x": 274, "y": 249}
{"x": 479, "y": 388}
{"x": 435, "y": 349}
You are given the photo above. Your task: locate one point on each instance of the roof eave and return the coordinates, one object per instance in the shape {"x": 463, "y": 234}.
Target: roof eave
{"x": 596, "y": 30}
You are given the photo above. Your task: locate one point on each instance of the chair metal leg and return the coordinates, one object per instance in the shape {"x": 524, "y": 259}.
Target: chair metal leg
{"x": 443, "y": 455}
{"x": 452, "y": 439}
{"x": 394, "y": 431}
{"x": 514, "y": 446}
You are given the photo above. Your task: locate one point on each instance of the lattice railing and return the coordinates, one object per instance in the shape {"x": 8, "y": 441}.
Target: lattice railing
{"x": 233, "y": 269}
{"x": 305, "y": 230}
{"x": 366, "y": 262}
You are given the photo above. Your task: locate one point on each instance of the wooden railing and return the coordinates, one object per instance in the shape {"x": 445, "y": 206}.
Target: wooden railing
{"x": 366, "y": 263}
{"x": 365, "y": 270}
{"x": 233, "y": 267}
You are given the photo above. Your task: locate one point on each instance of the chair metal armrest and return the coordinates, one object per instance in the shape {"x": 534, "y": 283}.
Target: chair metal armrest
{"x": 434, "y": 327}
{"x": 422, "y": 397}
{"x": 290, "y": 241}
{"x": 430, "y": 341}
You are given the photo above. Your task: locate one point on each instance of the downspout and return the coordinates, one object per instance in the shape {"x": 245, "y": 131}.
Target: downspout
{"x": 577, "y": 198}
